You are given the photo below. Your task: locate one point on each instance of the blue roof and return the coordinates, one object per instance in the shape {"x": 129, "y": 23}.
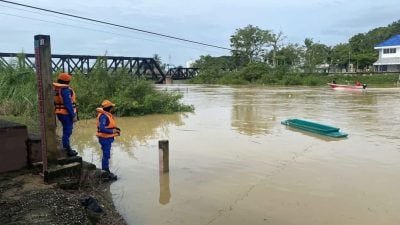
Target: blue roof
{"x": 393, "y": 41}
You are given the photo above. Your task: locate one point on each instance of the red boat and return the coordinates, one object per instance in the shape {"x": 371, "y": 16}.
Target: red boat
{"x": 350, "y": 87}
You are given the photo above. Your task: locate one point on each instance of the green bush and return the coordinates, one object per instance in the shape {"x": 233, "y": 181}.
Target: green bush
{"x": 208, "y": 76}
{"x": 133, "y": 95}
{"x": 313, "y": 80}
{"x": 291, "y": 80}
{"x": 254, "y": 71}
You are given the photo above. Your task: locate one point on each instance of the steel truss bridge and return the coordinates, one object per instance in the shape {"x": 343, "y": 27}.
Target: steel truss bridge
{"x": 182, "y": 73}
{"x": 139, "y": 66}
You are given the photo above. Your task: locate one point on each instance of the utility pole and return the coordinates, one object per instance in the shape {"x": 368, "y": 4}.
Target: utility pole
{"x": 348, "y": 66}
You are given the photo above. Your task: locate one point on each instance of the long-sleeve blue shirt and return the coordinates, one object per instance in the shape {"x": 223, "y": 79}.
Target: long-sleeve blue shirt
{"x": 66, "y": 94}
{"x": 103, "y": 120}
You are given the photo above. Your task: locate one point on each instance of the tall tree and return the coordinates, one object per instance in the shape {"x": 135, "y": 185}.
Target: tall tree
{"x": 251, "y": 42}
{"x": 339, "y": 56}
{"x": 219, "y": 63}
{"x": 315, "y": 54}
{"x": 157, "y": 58}
{"x": 308, "y": 42}
{"x": 289, "y": 55}
{"x": 276, "y": 39}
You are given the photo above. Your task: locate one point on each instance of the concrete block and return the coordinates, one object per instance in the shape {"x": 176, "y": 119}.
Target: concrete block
{"x": 34, "y": 148}
{"x": 13, "y": 153}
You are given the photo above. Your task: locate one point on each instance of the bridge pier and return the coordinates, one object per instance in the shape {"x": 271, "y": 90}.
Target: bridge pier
{"x": 168, "y": 80}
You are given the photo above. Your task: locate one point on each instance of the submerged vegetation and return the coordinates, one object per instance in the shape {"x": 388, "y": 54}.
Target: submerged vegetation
{"x": 133, "y": 95}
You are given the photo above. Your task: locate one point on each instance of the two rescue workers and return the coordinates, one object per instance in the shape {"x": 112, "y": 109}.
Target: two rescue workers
{"x": 66, "y": 111}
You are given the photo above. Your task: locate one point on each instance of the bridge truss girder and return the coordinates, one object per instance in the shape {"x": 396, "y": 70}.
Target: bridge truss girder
{"x": 182, "y": 73}
{"x": 139, "y": 66}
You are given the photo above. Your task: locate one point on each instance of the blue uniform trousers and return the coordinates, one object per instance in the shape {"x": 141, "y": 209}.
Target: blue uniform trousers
{"x": 106, "y": 148}
{"x": 67, "y": 124}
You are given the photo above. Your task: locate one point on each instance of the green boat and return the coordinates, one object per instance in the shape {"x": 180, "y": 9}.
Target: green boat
{"x": 314, "y": 127}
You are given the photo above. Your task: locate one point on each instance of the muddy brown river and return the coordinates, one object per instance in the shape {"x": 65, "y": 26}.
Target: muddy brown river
{"x": 233, "y": 163}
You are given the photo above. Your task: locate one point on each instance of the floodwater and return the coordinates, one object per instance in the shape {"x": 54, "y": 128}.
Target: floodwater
{"x": 233, "y": 163}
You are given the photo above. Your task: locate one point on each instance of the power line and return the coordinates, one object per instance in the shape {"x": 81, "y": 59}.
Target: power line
{"x": 49, "y": 15}
{"x": 116, "y": 25}
{"x": 92, "y": 29}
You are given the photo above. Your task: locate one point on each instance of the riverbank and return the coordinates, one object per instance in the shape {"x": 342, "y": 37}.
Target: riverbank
{"x": 25, "y": 199}
{"x": 260, "y": 76}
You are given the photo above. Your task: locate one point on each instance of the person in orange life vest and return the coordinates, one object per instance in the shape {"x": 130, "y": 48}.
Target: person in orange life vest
{"x": 358, "y": 83}
{"x": 106, "y": 131}
{"x": 65, "y": 109}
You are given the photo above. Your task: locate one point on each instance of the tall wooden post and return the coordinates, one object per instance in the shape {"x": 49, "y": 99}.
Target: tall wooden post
{"x": 163, "y": 153}
{"x": 46, "y": 99}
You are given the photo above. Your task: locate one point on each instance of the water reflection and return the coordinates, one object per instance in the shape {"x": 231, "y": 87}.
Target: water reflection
{"x": 165, "y": 193}
{"x": 365, "y": 106}
{"x": 255, "y": 111}
{"x": 250, "y": 114}
{"x": 134, "y": 131}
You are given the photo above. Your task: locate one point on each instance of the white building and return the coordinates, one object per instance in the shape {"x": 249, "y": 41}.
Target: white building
{"x": 389, "y": 55}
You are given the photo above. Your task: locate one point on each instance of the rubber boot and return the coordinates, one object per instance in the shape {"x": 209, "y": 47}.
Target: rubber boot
{"x": 112, "y": 176}
{"x": 108, "y": 176}
{"x": 70, "y": 152}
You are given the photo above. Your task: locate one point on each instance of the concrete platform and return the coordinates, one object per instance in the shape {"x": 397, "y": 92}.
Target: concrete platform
{"x": 70, "y": 170}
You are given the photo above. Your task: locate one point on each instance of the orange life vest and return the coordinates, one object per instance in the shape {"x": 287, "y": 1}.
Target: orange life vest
{"x": 59, "y": 101}
{"x": 111, "y": 125}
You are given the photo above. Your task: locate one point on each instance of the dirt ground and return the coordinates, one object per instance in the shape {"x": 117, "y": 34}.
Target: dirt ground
{"x": 25, "y": 199}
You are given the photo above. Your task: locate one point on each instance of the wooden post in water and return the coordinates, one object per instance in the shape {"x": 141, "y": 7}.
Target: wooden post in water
{"x": 163, "y": 153}
{"x": 45, "y": 100}
{"x": 165, "y": 193}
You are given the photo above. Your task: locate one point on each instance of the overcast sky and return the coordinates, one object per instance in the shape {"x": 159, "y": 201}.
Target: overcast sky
{"x": 211, "y": 21}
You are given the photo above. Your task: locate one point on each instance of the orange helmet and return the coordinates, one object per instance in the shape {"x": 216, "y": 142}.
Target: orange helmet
{"x": 107, "y": 103}
{"x": 64, "y": 77}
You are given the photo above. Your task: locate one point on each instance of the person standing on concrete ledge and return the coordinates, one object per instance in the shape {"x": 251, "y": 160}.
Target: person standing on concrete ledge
{"x": 106, "y": 131}
{"x": 65, "y": 109}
